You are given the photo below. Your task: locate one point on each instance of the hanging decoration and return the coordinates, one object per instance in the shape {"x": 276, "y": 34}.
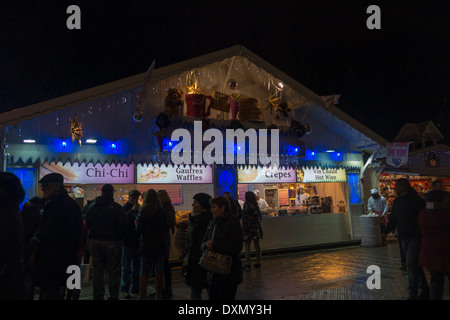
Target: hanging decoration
{"x": 194, "y": 89}
{"x": 162, "y": 121}
{"x": 250, "y": 109}
{"x": 330, "y": 100}
{"x": 232, "y": 84}
{"x": 76, "y": 130}
{"x": 221, "y": 101}
{"x": 234, "y": 105}
{"x": 173, "y": 103}
{"x": 138, "y": 112}
{"x": 298, "y": 127}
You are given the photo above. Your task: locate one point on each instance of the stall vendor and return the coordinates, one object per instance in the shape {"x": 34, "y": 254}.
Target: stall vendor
{"x": 378, "y": 205}
{"x": 301, "y": 196}
{"x": 263, "y": 205}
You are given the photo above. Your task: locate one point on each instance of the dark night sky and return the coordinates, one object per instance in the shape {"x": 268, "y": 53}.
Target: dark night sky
{"x": 385, "y": 77}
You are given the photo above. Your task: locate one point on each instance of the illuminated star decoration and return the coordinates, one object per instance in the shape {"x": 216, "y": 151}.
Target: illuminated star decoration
{"x": 194, "y": 89}
{"x": 274, "y": 100}
{"x": 76, "y": 130}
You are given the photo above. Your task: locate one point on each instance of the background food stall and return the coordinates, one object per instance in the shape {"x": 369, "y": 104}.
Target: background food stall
{"x": 321, "y": 218}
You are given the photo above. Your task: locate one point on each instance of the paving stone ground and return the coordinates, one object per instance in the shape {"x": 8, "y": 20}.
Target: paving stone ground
{"x": 325, "y": 274}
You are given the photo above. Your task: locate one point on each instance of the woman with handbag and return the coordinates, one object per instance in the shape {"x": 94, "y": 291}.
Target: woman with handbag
{"x": 224, "y": 237}
{"x": 199, "y": 219}
{"x": 153, "y": 246}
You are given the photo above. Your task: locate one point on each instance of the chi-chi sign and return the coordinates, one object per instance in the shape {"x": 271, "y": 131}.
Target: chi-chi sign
{"x": 213, "y": 152}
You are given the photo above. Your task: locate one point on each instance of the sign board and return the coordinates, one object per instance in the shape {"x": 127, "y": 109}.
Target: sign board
{"x": 89, "y": 173}
{"x": 397, "y": 154}
{"x": 283, "y": 197}
{"x": 190, "y": 174}
{"x": 318, "y": 174}
{"x": 266, "y": 175}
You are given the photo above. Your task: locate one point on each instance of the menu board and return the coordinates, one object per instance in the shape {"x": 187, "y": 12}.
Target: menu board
{"x": 242, "y": 189}
{"x": 89, "y": 173}
{"x": 266, "y": 175}
{"x": 283, "y": 197}
{"x": 175, "y": 191}
{"x": 321, "y": 175}
{"x": 189, "y": 174}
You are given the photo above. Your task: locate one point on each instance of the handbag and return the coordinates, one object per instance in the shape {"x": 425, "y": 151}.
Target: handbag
{"x": 216, "y": 262}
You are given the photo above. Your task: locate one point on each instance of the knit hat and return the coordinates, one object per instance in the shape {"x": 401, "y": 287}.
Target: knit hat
{"x": 108, "y": 188}
{"x": 134, "y": 193}
{"x": 52, "y": 177}
{"x": 373, "y": 191}
{"x": 203, "y": 199}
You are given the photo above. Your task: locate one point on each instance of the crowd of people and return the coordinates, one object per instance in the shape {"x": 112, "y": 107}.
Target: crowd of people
{"x": 128, "y": 244}
{"x": 125, "y": 244}
{"x": 422, "y": 227}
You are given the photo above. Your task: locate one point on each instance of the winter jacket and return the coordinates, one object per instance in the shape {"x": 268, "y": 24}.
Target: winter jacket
{"x": 435, "y": 250}
{"x": 132, "y": 236}
{"x": 151, "y": 228}
{"x": 405, "y": 216}
{"x": 106, "y": 220}
{"x": 31, "y": 216}
{"x": 84, "y": 239}
{"x": 251, "y": 222}
{"x": 194, "y": 274}
{"x": 227, "y": 240}
{"x": 59, "y": 235}
{"x": 11, "y": 250}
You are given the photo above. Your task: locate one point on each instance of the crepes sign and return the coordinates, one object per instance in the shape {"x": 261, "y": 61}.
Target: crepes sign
{"x": 397, "y": 154}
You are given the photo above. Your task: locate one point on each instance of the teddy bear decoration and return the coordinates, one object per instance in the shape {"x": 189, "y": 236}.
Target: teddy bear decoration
{"x": 173, "y": 103}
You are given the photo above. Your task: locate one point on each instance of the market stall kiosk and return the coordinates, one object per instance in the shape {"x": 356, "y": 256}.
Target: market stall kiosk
{"x": 308, "y": 206}
{"x": 228, "y": 89}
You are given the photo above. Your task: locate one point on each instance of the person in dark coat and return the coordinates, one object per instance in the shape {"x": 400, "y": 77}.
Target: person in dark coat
{"x": 131, "y": 260}
{"x": 199, "y": 219}
{"x": 434, "y": 223}
{"x": 12, "y": 285}
{"x": 224, "y": 235}
{"x": 405, "y": 216}
{"x": 31, "y": 215}
{"x": 152, "y": 229}
{"x": 166, "y": 203}
{"x": 235, "y": 207}
{"x": 107, "y": 226}
{"x": 57, "y": 240}
{"x": 252, "y": 228}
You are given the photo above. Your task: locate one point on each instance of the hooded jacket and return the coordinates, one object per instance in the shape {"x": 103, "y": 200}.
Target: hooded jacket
{"x": 405, "y": 215}
{"x": 106, "y": 220}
